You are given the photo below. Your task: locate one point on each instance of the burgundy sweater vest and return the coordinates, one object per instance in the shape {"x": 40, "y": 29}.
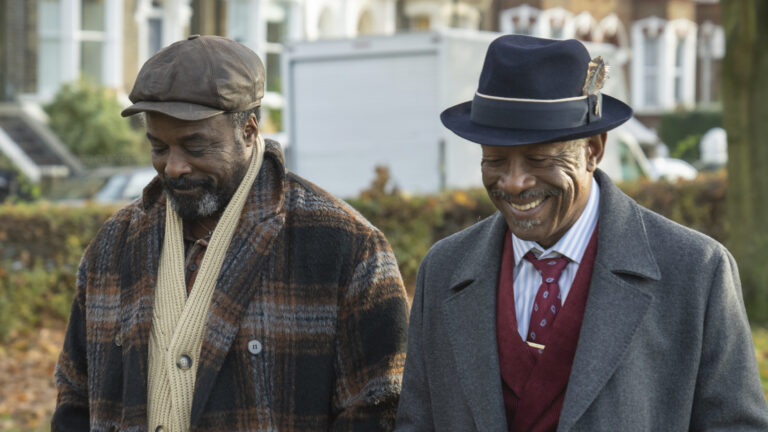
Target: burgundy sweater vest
{"x": 534, "y": 384}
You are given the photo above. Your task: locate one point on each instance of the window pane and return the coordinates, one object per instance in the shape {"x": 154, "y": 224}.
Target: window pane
{"x": 238, "y": 24}
{"x": 678, "y": 88}
{"x": 276, "y": 31}
{"x": 651, "y": 51}
{"x": 273, "y": 73}
{"x": 48, "y": 65}
{"x": 679, "y": 52}
{"x": 651, "y": 98}
{"x": 93, "y": 15}
{"x": 155, "y": 39}
{"x": 90, "y": 60}
{"x": 277, "y": 22}
{"x": 48, "y": 16}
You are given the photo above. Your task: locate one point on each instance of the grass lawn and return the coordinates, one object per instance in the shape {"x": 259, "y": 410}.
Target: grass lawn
{"x": 760, "y": 335}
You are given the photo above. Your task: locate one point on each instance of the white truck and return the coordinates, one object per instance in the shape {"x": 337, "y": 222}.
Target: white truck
{"x": 353, "y": 104}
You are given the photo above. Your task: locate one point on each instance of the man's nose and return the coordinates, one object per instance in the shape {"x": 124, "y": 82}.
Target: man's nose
{"x": 176, "y": 165}
{"x": 517, "y": 178}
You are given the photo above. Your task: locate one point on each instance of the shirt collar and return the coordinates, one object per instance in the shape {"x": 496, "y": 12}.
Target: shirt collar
{"x": 573, "y": 244}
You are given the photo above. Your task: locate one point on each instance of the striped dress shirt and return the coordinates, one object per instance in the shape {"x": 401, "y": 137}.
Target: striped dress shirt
{"x": 572, "y": 245}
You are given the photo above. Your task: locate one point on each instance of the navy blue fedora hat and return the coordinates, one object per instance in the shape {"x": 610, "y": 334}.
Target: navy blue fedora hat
{"x": 531, "y": 92}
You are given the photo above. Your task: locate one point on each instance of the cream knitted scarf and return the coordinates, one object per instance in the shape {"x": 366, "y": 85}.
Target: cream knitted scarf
{"x": 178, "y": 321}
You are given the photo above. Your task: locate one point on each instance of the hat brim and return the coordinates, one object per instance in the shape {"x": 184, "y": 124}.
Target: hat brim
{"x": 180, "y": 110}
{"x": 457, "y": 119}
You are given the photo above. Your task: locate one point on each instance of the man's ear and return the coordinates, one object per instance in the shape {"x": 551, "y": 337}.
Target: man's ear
{"x": 251, "y": 130}
{"x": 595, "y": 150}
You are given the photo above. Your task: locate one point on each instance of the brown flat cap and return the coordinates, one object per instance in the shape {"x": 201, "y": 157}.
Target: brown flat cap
{"x": 198, "y": 78}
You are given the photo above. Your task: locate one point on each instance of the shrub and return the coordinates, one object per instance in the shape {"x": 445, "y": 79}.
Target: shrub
{"x": 41, "y": 249}
{"x": 42, "y": 243}
{"x": 682, "y": 131}
{"x": 86, "y": 117}
{"x": 698, "y": 204}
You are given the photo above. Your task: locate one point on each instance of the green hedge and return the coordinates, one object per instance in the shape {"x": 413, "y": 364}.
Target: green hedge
{"x": 40, "y": 248}
{"x": 682, "y": 131}
{"x": 41, "y": 244}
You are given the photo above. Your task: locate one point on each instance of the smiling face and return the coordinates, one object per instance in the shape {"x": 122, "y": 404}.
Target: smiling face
{"x": 201, "y": 163}
{"x": 541, "y": 189}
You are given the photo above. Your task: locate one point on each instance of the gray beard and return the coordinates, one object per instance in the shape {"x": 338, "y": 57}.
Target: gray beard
{"x": 526, "y": 224}
{"x": 209, "y": 204}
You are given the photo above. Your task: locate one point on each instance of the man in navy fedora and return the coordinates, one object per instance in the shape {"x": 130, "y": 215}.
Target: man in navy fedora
{"x": 572, "y": 308}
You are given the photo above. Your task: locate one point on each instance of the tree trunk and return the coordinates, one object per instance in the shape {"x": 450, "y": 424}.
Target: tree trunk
{"x": 745, "y": 117}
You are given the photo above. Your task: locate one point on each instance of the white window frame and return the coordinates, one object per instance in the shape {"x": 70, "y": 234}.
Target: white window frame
{"x": 668, "y": 33}
{"x": 680, "y": 31}
{"x": 610, "y": 26}
{"x": 524, "y": 13}
{"x": 585, "y": 21}
{"x": 468, "y": 16}
{"x": 544, "y": 24}
{"x": 654, "y": 27}
{"x": 175, "y": 16}
{"x": 69, "y": 37}
{"x": 711, "y": 47}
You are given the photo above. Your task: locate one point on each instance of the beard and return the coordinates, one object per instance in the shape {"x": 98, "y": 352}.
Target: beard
{"x": 534, "y": 194}
{"x": 211, "y": 200}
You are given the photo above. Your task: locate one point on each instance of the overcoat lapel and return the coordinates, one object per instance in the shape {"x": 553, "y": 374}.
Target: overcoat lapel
{"x": 249, "y": 251}
{"x": 615, "y": 306}
{"x": 469, "y": 316}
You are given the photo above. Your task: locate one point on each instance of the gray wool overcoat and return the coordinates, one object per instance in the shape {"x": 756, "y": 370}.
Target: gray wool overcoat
{"x": 665, "y": 344}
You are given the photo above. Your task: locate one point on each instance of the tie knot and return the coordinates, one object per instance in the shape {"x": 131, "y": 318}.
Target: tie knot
{"x": 548, "y": 267}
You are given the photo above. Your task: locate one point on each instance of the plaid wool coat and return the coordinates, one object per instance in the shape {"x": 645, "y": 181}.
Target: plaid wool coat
{"x": 305, "y": 275}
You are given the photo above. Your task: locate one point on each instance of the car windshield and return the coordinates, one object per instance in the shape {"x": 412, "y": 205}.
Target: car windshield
{"x": 112, "y": 190}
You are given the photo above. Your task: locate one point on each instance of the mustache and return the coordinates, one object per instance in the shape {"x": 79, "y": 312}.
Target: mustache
{"x": 185, "y": 183}
{"x": 530, "y": 194}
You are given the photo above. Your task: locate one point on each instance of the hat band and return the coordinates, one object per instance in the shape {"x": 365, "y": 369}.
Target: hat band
{"x": 536, "y": 114}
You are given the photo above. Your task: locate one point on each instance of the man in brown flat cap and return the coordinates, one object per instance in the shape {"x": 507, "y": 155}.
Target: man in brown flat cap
{"x": 233, "y": 295}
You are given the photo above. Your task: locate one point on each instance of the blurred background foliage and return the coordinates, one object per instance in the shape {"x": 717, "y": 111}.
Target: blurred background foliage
{"x": 86, "y": 117}
{"x": 41, "y": 243}
{"x": 681, "y": 131}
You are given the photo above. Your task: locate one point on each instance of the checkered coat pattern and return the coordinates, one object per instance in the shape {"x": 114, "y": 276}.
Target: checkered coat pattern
{"x": 305, "y": 275}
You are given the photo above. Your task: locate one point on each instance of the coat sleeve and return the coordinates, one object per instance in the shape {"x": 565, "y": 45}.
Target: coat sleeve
{"x": 71, "y": 372}
{"x": 415, "y": 410}
{"x": 371, "y": 338}
{"x": 728, "y": 394}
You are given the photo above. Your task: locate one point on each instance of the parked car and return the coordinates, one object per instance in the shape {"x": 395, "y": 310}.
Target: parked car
{"x": 672, "y": 169}
{"x": 125, "y": 186}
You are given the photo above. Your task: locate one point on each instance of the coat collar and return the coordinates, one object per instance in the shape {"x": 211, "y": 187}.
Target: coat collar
{"x": 262, "y": 218}
{"x": 616, "y": 304}
{"x": 623, "y": 241}
{"x": 469, "y": 314}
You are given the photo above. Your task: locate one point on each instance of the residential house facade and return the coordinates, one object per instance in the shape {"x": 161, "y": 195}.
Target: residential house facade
{"x": 47, "y": 43}
{"x": 670, "y": 49}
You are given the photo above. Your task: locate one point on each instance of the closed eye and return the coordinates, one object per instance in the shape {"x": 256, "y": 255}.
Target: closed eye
{"x": 491, "y": 161}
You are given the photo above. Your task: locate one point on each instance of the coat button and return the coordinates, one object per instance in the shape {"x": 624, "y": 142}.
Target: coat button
{"x": 254, "y": 346}
{"x": 160, "y": 429}
{"x": 184, "y": 362}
